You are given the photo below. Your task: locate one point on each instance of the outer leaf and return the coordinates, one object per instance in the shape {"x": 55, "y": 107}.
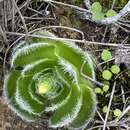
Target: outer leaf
{"x": 10, "y": 93}
{"x": 67, "y": 112}
{"x": 23, "y": 97}
{"x": 87, "y": 109}
{"x": 32, "y": 53}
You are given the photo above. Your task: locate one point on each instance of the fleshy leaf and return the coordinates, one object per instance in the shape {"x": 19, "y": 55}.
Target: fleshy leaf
{"x": 68, "y": 111}
{"x": 96, "y": 7}
{"x": 87, "y": 109}
{"x": 111, "y": 13}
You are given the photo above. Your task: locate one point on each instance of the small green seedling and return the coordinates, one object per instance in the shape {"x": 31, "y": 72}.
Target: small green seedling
{"x": 106, "y": 88}
{"x": 111, "y": 13}
{"x": 96, "y": 7}
{"x": 98, "y": 14}
{"x": 107, "y": 75}
{"x": 115, "y": 69}
{"x": 98, "y": 90}
{"x": 105, "y": 109}
{"x": 106, "y": 55}
{"x": 117, "y": 112}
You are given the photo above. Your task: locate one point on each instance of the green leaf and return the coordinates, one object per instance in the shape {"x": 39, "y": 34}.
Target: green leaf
{"x": 69, "y": 110}
{"x": 96, "y": 7}
{"x": 105, "y": 109}
{"x": 106, "y": 55}
{"x": 23, "y": 97}
{"x": 87, "y": 108}
{"x": 10, "y": 85}
{"x": 111, "y": 13}
{"x": 73, "y": 54}
{"x": 106, "y": 88}
{"x": 32, "y": 53}
{"x": 98, "y": 16}
{"x": 38, "y": 66}
{"x": 115, "y": 69}
{"x": 117, "y": 112}
{"x": 98, "y": 90}
{"x": 107, "y": 75}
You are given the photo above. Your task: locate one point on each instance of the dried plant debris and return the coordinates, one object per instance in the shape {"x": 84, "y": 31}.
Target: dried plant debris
{"x": 122, "y": 56}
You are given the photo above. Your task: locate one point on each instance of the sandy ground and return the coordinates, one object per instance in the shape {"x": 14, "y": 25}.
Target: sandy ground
{"x": 9, "y": 121}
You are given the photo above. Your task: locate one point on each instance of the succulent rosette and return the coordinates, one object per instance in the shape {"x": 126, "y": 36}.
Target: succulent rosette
{"x": 45, "y": 76}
